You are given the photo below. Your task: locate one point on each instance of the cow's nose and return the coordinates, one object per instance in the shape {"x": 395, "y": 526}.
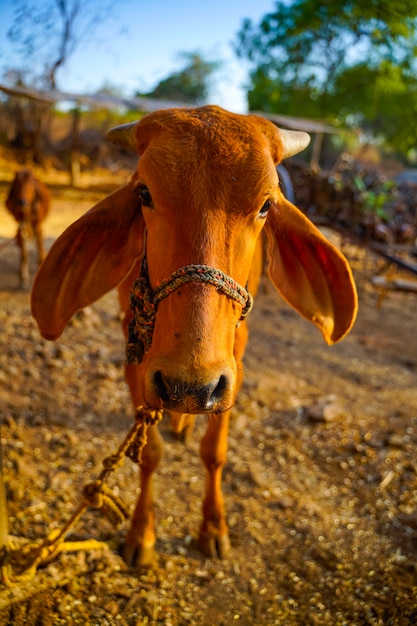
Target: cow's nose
{"x": 189, "y": 397}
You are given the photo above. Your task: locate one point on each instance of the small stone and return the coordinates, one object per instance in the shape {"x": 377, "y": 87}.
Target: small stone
{"x": 326, "y": 409}
{"x": 408, "y": 519}
{"x": 112, "y": 607}
{"x": 396, "y": 440}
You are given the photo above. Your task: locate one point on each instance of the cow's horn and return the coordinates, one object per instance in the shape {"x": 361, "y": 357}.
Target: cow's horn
{"x": 293, "y": 141}
{"x": 123, "y": 136}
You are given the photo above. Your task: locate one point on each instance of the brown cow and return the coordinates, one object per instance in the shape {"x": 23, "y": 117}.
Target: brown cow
{"x": 29, "y": 203}
{"x": 190, "y": 221}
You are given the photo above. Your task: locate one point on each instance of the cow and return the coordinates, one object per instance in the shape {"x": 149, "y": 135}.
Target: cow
{"x": 182, "y": 241}
{"x": 29, "y": 203}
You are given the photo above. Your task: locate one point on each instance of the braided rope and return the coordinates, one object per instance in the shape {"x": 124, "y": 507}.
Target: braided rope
{"x": 144, "y": 301}
{"x": 19, "y": 564}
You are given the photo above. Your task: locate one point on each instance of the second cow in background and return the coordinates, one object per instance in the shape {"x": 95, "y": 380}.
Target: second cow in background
{"x": 29, "y": 203}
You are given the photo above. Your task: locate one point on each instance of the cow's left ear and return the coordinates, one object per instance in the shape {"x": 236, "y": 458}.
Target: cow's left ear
{"x": 309, "y": 272}
{"x": 91, "y": 257}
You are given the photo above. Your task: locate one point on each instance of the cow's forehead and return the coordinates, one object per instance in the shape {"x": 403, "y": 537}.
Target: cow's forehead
{"x": 214, "y": 150}
{"x": 206, "y": 155}
{"x": 209, "y": 130}
{"x": 186, "y": 168}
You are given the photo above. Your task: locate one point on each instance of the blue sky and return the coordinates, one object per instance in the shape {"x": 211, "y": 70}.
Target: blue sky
{"x": 141, "y": 45}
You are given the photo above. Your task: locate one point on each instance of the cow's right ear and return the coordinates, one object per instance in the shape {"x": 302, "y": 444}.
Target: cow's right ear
{"x": 91, "y": 257}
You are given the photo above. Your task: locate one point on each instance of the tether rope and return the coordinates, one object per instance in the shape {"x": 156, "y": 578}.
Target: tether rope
{"x": 144, "y": 301}
{"x": 19, "y": 564}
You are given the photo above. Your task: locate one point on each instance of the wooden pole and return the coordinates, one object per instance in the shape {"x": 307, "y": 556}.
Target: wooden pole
{"x": 74, "y": 151}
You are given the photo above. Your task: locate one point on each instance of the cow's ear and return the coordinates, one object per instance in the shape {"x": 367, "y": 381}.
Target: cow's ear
{"x": 91, "y": 257}
{"x": 309, "y": 272}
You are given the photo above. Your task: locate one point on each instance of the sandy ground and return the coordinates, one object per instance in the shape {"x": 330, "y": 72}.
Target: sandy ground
{"x": 320, "y": 507}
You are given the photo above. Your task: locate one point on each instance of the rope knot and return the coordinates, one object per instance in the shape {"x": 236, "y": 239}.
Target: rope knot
{"x": 144, "y": 313}
{"x": 92, "y": 494}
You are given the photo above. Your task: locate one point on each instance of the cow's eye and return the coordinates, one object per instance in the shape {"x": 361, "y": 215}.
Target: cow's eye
{"x": 144, "y": 195}
{"x": 265, "y": 208}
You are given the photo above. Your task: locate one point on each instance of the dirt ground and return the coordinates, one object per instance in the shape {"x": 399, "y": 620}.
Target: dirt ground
{"x": 320, "y": 504}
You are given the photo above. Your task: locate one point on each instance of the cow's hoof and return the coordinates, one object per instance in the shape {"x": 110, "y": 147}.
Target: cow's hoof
{"x": 137, "y": 556}
{"x": 214, "y": 546}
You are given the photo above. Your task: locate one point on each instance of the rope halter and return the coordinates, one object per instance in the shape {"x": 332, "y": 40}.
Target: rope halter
{"x": 144, "y": 301}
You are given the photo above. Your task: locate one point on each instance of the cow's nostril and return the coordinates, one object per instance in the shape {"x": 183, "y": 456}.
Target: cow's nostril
{"x": 218, "y": 392}
{"x": 160, "y": 386}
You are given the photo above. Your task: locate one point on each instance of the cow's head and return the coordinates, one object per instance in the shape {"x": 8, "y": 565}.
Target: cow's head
{"x": 23, "y": 196}
{"x": 205, "y": 188}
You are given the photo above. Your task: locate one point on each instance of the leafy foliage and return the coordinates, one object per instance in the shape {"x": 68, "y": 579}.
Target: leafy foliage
{"x": 354, "y": 62}
{"x": 190, "y": 84}
{"x": 375, "y": 200}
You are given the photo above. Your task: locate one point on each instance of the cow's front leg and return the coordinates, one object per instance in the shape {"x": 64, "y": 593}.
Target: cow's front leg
{"x": 214, "y": 533}
{"x": 140, "y": 540}
{"x": 182, "y": 426}
{"x": 37, "y": 231}
{"x": 22, "y": 236}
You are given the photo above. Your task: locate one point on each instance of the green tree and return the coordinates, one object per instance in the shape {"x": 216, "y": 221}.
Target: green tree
{"x": 190, "y": 84}
{"x": 354, "y": 62}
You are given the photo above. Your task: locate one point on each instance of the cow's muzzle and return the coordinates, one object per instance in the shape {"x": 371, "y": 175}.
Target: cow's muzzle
{"x": 177, "y": 395}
